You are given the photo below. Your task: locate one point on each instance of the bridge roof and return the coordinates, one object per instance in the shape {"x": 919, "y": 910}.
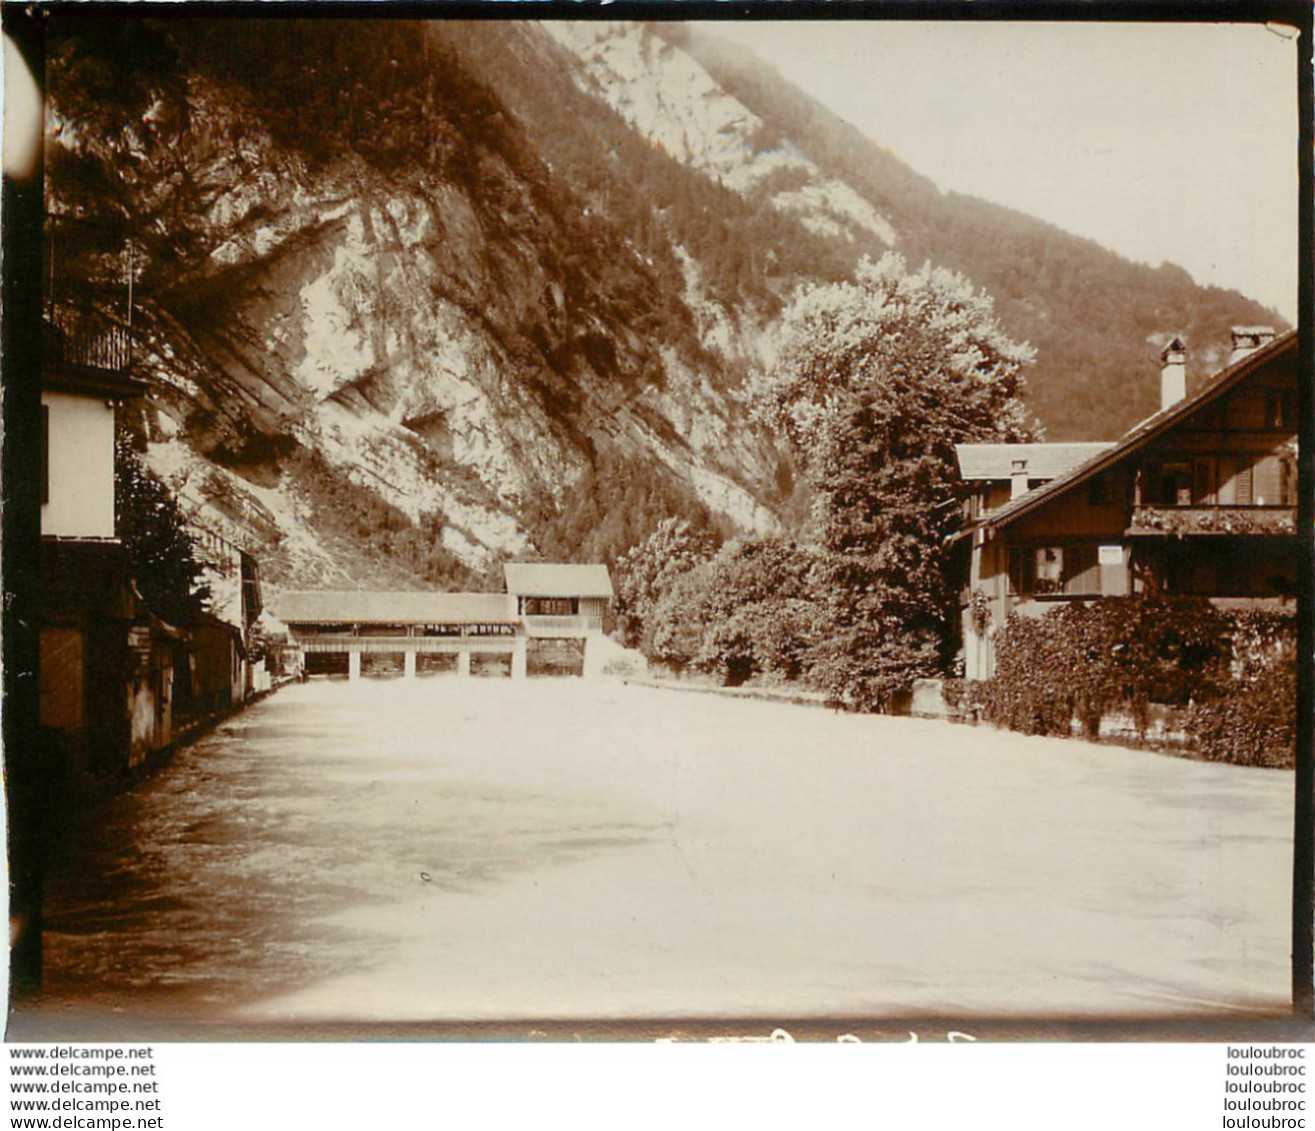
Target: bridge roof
{"x": 557, "y": 579}
{"x": 325, "y": 606}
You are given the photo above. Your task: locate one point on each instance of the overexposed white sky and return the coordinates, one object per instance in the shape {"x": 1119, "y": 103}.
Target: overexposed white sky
{"x": 1162, "y": 142}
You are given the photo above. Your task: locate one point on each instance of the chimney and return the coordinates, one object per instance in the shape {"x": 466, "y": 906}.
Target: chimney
{"x": 1017, "y": 479}
{"x": 1248, "y": 339}
{"x": 1173, "y": 373}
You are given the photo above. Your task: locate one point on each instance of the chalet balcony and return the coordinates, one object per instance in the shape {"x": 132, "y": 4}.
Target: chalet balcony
{"x": 1177, "y": 522}
{"x": 86, "y": 339}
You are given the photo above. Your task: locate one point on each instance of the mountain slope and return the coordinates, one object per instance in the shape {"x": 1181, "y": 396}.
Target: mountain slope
{"x": 1097, "y": 321}
{"x": 417, "y": 297}
{"x": 423, "y": 321}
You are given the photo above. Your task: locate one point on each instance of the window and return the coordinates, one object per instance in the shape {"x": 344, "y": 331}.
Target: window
{"x": 1203, "y": 482}
{"x": 1176, "y": 485}
{"x": 440, "y": 630}
{"x": 1280, "y": 408}
{"x": 1022, "y": 570}
{"x": 550, "y": 606}
{"x": 1288, "y": 486}
{"x": 1235, "y": 481}
{"x": 1049, "y": 569}
{"x": 1052, "y": 571}
{"x": 1036, "y": 569}
{"x": 1082, "y": 569}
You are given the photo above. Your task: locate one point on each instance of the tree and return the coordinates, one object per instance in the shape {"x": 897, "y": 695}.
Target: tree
{"x": 647, "y": 570}
{"x": 748, "y": 611}
{"x": 875, "y": 383}
{"x": 154, "y": 534}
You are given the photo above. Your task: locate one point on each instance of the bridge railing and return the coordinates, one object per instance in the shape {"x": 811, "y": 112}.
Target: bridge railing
{"x": 545, "y": 625}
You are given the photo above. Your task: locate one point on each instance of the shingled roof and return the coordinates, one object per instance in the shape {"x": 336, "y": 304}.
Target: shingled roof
{"x": 1148, "y": 430}
{"x": 364, "y": 607}
{"x": 1044, "y": 461}
{"x": 552, "y": 579}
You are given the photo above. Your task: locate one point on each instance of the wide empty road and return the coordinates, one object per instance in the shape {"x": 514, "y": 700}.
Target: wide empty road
{"x": 444, "y": 849}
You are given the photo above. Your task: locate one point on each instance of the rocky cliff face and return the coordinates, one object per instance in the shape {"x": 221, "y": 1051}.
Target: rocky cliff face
{"x": 669, "y": 98}
{"x": 333, "y": 331}
{"x": 413, "y": 299}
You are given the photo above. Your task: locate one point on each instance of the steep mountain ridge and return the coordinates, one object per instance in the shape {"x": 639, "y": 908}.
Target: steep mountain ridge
{"x": 666, "y": 95}
{"x": 1096, "y": 320}
{"x": 415, "y": 298}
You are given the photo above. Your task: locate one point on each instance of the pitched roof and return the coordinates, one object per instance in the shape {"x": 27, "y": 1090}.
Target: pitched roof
{"x": 1141, "y": 435}
{"x": 356, "y": 606}
{"x": 1044, "y": 461}
{"x": 552, "y": 579}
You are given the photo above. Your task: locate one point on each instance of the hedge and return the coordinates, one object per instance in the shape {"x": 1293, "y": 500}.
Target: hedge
{"x": 1230, "y": 677}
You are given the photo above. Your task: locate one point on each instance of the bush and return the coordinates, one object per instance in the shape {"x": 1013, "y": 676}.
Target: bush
{"x": 1230, "y": 676}
{"x": 1028, "y": 692}
{"x": 749, "y": 611}
{"x": 648, "y": 569}
{"x": 1252, "y": 724}
{"x": 1080, "y": 661}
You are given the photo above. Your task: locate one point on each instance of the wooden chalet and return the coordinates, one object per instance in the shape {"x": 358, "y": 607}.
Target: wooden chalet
{"x": 563, "y": 603}
{"x": 1198, "y": 499}
{"x": 221, "y": 639}
{"x": 115, "y": 680}
{"x": 217, "y": 667}
{"x": 105, "y": 683}
{"x": 996, "y": 474}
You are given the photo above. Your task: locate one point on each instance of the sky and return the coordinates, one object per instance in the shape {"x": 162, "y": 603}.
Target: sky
{"x": 1162, "y": 142}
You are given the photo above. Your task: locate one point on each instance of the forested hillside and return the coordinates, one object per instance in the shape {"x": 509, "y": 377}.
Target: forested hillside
{"x": 1096, "y": 320}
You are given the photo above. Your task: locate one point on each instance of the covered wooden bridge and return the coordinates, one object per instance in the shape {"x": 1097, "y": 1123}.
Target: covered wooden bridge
{"x": 544, "y": 607}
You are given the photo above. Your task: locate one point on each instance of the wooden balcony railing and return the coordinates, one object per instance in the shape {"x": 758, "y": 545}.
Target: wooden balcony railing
{"x": 1178, "y": 521}
{"x": 88, "y": 339}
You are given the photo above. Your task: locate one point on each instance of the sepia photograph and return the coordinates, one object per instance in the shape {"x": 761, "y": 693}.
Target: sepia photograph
{"x": 667, "y": 529}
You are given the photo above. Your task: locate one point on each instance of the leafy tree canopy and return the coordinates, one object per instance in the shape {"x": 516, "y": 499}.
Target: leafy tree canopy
{"x": 153, "y": 531}
{"x": 648, "y": 569}
{"x": 750, "y": 610}
{"x": 923, "y": 343}
{"x": 875, "y": 383}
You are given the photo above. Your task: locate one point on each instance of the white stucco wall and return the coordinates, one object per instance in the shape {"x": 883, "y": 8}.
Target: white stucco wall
{"x": 81, "y": 467}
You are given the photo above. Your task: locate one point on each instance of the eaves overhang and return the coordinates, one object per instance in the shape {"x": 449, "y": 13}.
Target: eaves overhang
{"x": 1144, "y": 433}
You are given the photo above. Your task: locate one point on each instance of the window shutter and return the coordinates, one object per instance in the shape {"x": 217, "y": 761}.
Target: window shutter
{"x": 1242, "y": 490}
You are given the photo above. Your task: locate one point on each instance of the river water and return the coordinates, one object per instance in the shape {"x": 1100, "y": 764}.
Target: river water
{"x": 444, "y": 849}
